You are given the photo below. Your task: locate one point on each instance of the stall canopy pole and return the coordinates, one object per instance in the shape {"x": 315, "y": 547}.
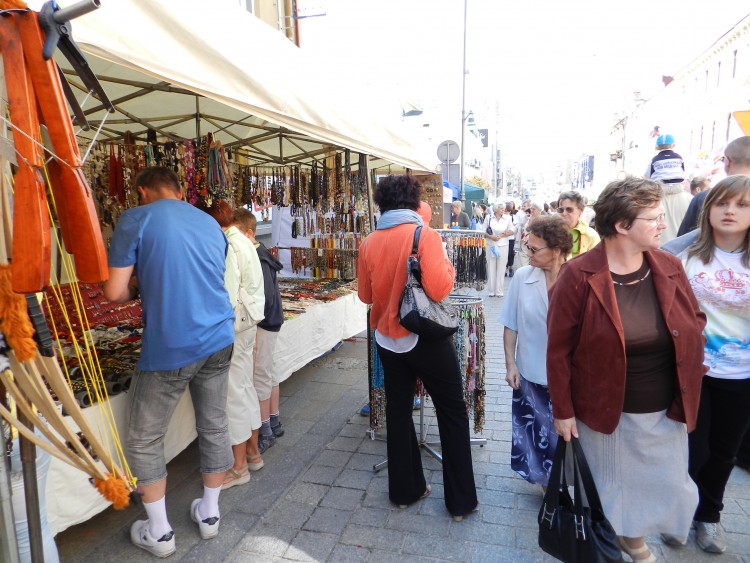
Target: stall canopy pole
{"x": 31, "y": 493}
{"x": 370, "y": 201}
{"x": 197, "y": 118}
{"x": 8, "y": 541}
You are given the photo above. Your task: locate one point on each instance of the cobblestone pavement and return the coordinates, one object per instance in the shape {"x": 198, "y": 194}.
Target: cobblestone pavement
{"x": 318, "y": 498}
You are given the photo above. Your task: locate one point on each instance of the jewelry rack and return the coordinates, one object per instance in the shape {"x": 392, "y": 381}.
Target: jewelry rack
{"x": 467, "y": 252}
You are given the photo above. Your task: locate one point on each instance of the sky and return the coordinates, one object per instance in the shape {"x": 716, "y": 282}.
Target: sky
{"x": 551, "y": 73}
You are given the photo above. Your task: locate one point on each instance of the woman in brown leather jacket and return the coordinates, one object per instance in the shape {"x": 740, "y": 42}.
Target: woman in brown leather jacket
{"x": 624, "y": 366}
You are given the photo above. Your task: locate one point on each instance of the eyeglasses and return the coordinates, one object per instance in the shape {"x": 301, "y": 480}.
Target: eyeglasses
{"x": 534, "y": 250}
{"x": 655, "y": 221}
{"x": 528, "y": 211}
{"x": 566, "y": 209}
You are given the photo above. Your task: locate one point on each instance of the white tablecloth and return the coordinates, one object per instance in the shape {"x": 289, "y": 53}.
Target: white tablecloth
{"x": 71, "y": 499}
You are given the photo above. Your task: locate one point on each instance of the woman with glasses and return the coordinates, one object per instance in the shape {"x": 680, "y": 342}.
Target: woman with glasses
{"x": 624, "y": 366}
{"x": 524, "y": 317}
{"x": 717, "y": 263}
{"x": 570, "y": 207}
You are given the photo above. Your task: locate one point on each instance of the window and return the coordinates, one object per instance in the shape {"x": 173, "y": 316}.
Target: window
{"x": 713, "y": 134}
{"x": 705, "y": 90}
{"x": 734, "y": 63}
{"x": 729, "y": 123}
{"x": 718, "y": 73}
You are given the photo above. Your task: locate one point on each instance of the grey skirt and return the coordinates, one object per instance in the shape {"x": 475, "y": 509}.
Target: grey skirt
{"x": 641, "y": 473}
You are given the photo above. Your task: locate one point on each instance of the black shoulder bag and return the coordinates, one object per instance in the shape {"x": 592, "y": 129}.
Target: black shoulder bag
{"x": 569, "y": 531}
{"x": 416, "y": 311}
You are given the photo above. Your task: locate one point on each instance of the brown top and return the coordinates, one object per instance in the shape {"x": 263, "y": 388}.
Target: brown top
{"x": 650, "y": 376}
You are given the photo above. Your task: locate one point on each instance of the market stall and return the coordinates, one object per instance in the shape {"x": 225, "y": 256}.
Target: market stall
{"x": 233, "y": 128}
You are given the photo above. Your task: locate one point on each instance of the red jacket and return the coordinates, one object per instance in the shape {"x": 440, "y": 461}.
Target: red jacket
{"x": 381, "y": 271}
{"x": 586, "y": 344}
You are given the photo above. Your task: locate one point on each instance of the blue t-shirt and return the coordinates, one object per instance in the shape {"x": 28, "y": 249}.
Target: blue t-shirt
{"x": 179, "y": 255}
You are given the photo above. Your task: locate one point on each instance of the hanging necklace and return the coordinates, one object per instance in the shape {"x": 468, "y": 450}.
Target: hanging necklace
{"x": 633, "y": 282}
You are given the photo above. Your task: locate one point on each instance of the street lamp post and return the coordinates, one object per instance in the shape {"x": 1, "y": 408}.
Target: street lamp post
{"x": 463, "y": 108}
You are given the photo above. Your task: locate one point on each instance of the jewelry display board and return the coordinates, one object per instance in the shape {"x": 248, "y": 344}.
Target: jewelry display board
{"x": 467, "y": 252}
{"x": 470, "y": 347}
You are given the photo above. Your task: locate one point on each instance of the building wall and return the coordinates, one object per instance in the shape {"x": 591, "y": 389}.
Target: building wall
{"x": 696, "y": 107}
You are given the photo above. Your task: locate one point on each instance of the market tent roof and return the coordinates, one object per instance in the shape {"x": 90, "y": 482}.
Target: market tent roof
{"x": 188, "y": 68}
{"x": 471, "y": 192}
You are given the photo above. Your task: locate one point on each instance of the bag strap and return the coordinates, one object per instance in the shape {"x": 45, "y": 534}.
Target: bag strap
{"x": 592, "y": 495}
{"x": 556, "y": 482}
{"x": 415, "y": 243}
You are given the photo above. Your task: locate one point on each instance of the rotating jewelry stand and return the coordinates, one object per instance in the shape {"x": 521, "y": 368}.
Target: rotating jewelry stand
{"x": 458, "y": 300}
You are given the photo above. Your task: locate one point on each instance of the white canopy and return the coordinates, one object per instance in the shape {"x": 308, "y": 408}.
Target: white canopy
{"x": 185, "y": 68}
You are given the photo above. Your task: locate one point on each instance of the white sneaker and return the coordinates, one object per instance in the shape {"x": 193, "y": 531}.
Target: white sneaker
{"x": 710, "y": 537}
{"x": 141, "y": 537}
{"x": 208, "y": 527}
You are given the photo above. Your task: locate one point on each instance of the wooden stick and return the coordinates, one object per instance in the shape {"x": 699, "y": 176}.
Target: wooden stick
{"x": 44, "y": 402}
{"x": 71, "y": 459}
{"x": 29, "y": 435}
{"x": 56, "y": 380}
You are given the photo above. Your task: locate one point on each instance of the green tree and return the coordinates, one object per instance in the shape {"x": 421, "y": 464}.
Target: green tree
{"x": 479, "y": 181}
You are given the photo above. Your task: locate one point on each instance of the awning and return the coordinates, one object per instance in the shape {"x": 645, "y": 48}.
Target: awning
{"x": 188, "y": 68}
{"x": 471, "y": 192}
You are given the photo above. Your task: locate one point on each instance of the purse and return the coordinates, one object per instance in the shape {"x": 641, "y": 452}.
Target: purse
{"x": 416, "y": 311}
{"x": 569, "y": 531}
{"x": 247, "y": 313}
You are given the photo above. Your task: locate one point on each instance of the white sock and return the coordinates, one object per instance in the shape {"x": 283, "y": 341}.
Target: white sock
{"x": 209, "y": 506}
{"x": 158, "y": 524}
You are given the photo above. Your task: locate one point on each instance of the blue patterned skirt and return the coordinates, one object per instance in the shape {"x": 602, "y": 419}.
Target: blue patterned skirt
{"x": 534, "y": 437}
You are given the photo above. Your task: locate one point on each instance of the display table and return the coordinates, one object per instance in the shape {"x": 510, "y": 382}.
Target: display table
{"x": 70, "y": 497}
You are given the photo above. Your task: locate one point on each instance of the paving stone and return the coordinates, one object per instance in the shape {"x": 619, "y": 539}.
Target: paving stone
{"x": 373, "y": 538}
{"x": 377, "y": 500}
{"x": 496, "y": 498}
{"x": 290, "y": 514}
{"x": 234, "y": 526}
{"x": 736, "y": 523}
{"x": 354, "y": 479}
{"x": 379, "y": 556}
{"x": 268, "y": 539}
{"x": 342, "y": 498}
{"x": 345, "y": 443}
{"x": 431, "y": 546}
{"x": 482, "y": 532}
{"x": 333, "y": 458}
{"x": 481, "y": 553}
{"x": 348, "y": 554}
{"x": 321, "y": 474}
{"x": 352, "y": 430}
{"x": 307, "y": 493}
{"x": 366, "y": 516}
{"x": 425, "y": 524}
{"x": 309, "y": 546}
{"x": 329, "y": 520}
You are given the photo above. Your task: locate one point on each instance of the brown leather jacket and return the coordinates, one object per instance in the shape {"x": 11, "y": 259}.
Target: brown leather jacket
{"x": 586, "y": 344}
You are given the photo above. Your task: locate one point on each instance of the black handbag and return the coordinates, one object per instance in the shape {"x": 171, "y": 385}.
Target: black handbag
{"x": 568, "y": 531}
{"x": 416, "y": 311}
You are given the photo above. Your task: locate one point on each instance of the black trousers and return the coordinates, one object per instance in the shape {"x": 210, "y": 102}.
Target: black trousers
{"x": 743, "y": 454}
{"x": 723, "y": 419}
{"x": 511, "y": 254}
{"x": 436, "y": 364}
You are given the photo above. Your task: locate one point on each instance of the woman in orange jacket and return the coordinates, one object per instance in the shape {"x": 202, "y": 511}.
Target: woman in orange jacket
{"x": 406, "y": 356}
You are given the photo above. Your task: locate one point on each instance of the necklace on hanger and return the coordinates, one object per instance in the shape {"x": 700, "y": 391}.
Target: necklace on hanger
{"x": 633, "y": 282}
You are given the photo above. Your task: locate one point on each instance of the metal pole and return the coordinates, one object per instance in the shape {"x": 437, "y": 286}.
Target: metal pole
{"x": 463, "y": 108}
{"x": 31, "y": 493}
{"x": 8, "y": 541}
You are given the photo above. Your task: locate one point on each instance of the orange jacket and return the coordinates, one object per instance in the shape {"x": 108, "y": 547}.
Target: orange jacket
{"x": 381, "y": 271}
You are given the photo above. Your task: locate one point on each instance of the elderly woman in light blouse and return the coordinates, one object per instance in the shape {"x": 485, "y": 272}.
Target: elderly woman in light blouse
{"x": 524, "y": 316}
{"x": 243, "y": 408}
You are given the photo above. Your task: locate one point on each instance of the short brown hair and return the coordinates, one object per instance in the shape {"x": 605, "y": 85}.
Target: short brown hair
{"x": 222, "y": 212}
{"x": 158, "y": 177}
{"x": 245, "y": 219}
{"x": 621, "y": 201}
{"x": 555, "y": 232}
{"x": 575, "y": 197}
{"x": 732, "y": 187}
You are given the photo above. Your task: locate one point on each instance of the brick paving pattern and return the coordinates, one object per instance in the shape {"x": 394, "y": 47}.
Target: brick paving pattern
{"x": 318, "y": 498}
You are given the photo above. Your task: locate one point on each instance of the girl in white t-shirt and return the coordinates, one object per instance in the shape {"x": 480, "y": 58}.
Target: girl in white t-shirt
{"x": 718, "y": 268}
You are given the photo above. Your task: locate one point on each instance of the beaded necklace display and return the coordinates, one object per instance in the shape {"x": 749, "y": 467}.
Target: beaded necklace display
{"x": 466, "y": 251}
